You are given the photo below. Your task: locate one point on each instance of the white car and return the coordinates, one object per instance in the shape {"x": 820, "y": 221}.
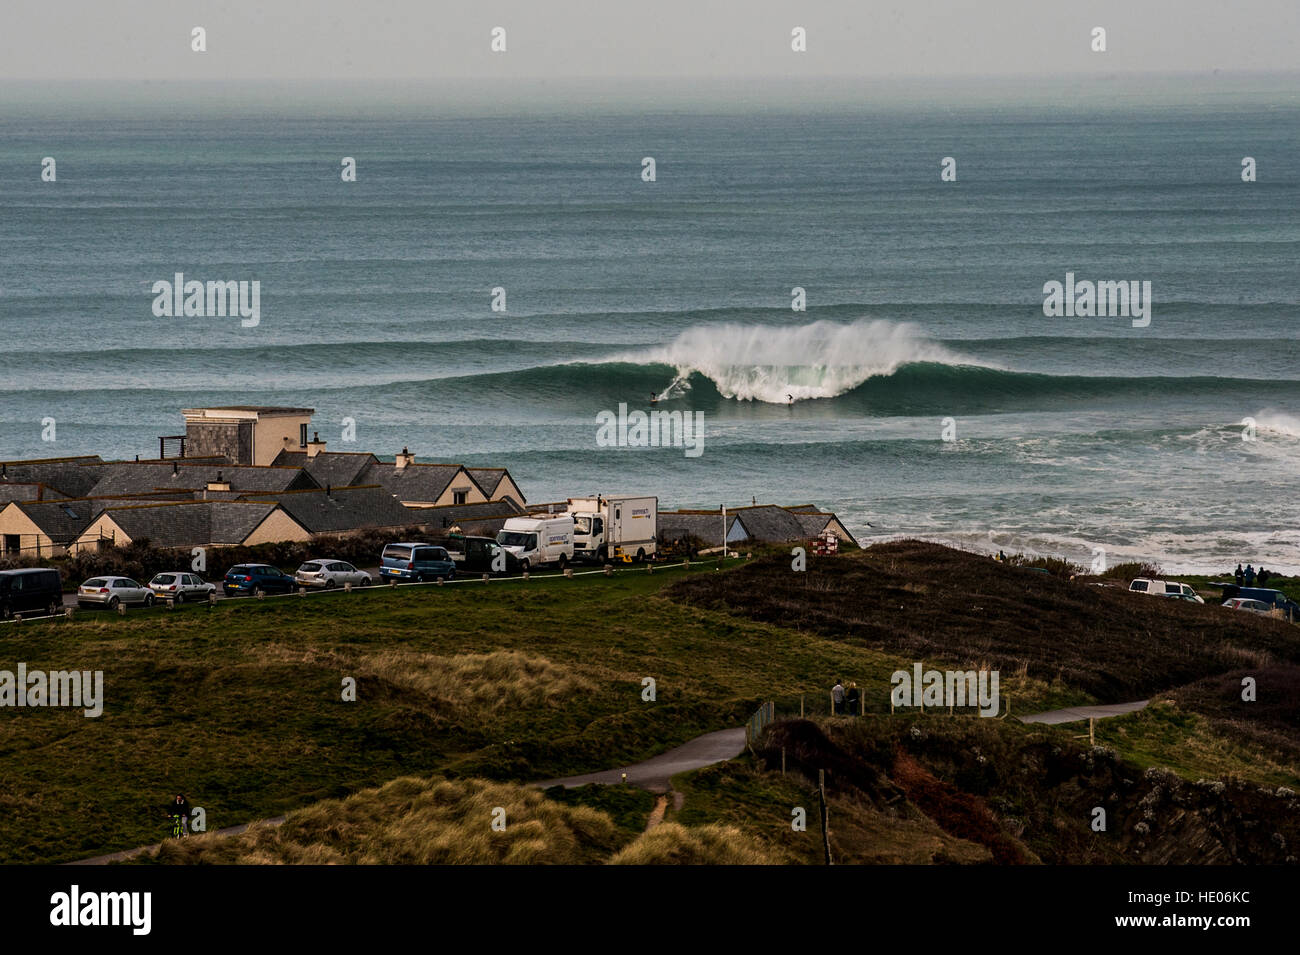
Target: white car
{"x": 180, "y": 587}
{"x": 113, "y": 592}
{"x": 329, "y": 574}
{"x": 1165, "y": 588}
{"x": 1245, "y": 603}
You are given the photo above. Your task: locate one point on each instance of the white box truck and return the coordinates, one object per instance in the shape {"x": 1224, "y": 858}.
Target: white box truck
{"x": 618, "y": 527}
{"x": 538, "y": 541}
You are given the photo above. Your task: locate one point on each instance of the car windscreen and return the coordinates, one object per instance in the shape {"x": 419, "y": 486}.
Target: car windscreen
{"x": 396, "y": 552}
{"x": 165, "y": 579}
{"x": 517, "y": 539}
{"x": 96, "y": 582}
{"x": 239, "y": 571}
{"x": 309, "y": 568}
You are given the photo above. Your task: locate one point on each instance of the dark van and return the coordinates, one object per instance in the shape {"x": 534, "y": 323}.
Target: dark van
{"x": 30, "y": 590}
{"x": 1274, "y": 598}
{"x": 416, "y": 562}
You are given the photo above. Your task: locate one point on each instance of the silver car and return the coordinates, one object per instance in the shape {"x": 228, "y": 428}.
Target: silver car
{"x": 113, "y": 592}
{"x": 328, "y": 574}
{"x": 180, "y": 587}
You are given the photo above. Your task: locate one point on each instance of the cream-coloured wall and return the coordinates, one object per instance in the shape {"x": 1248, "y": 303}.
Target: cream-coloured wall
{"x": 31, "y": 539}
{"x": 102, "y": 526}
{"x": 508, "y": 488}
{"x": 461, "y": 482}
{"x": 269, "y": 434}
{"x": 278, "y": 526}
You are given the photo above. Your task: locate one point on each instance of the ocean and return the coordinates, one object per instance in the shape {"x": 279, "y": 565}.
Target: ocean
{"x": 1177, "y": 442}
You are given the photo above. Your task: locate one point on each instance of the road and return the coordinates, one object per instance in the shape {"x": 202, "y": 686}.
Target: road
{"x": 654, "y": 774}
{"x": 1074, "y": 713}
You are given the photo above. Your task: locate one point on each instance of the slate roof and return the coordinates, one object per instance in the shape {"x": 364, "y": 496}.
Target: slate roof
{"x": 135, "y": 477}
{"x": 477, "y": 520}
{"x": 60, "y": 521}
{"x": 489, "y": 480}
{"x": 33, "y": 491}
{"x": 344, "y": 509}
{"x": 191, "y": 523}
{"x": 423, "y": 483}
{"x": 338, "y": 468}
{"x": 73, "y": 477}
{"x": 703, "y": 525}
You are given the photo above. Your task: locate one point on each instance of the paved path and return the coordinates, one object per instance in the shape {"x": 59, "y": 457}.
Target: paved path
{"x": 1074, "y": 713}
{"x": 654, "y": 773}
{"x": 132, "y": 853}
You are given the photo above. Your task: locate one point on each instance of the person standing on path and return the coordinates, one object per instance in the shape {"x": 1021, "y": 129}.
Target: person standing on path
{"x": 1240, "y": 575}
{"x": 837, "y": 697}
{"x": 179, "y": 810}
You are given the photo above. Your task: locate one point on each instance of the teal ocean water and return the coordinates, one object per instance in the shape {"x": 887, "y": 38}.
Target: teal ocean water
{"x": 924, "y": 303}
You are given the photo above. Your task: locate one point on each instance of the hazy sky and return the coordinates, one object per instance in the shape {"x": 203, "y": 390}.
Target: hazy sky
{"x": 376, "y": 39}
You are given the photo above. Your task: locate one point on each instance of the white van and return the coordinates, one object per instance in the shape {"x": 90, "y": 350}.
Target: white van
{"x": 537, "y": 541}
{"x": 1165, "y": 588}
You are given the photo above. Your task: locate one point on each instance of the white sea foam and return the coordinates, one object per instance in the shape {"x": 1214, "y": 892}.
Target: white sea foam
{"x": 772, "y": 364}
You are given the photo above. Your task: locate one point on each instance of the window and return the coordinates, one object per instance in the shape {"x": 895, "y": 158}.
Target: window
{"x": 460, "y": 497}
{"x": 302, "y": 435}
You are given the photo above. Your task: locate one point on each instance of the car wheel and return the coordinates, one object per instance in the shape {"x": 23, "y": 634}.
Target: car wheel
{"x": 419, "y": 578}
{"x": 257, "y": 591}
{"x": 640, "y": 556}
{"x": 329, "y": 584}
{"x": 564, "y": 561}
{"x": 54, "y": 608}
{"x": 180, "y": 598}
{"x": 524, "y": 565}
{"x": 148, "y": 600}
{"x": 112, "y": 603}
{"x": 6, "y": 613}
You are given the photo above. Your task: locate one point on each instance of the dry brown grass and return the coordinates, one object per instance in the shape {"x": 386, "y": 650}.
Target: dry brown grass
{"x": 673, "y": 844}
{"x": 413, "y": 821}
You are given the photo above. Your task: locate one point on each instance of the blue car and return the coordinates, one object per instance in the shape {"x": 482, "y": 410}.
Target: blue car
{"x": 1274, "y": 598}
{"x": 257, "y": 579}
{"x": 414, "y": 562}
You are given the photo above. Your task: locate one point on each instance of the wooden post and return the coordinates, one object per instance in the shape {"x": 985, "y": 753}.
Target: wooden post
{"x": 800, "y": 706}
{"x": 782, "y": 760}
{"x": 825, "y": 814}
{"x": 1091, "y": 739}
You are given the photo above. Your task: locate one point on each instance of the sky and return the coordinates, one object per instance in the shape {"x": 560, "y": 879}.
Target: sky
{"x": 150, "y": 40}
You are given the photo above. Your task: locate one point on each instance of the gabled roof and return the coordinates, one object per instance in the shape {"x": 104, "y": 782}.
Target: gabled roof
{"x": 489, "y": 480}
{"x": 134, "y": 477}
{"x": 73, "y": 477}
{"x": 60, "y": 521}
{"x": 337, "y": 468}
{"x": 344, "y": 509}
{"x": 415, "y": 482}
{"x": 192, "y": 523}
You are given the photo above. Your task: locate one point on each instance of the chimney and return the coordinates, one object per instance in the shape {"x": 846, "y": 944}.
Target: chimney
{"x": 405, "y": 459}
{"x": 219, "y": 484}
{"x": 315, "y": 446}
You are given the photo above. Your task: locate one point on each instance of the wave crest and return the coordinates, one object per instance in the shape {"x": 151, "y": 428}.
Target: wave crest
{"x": 774, "y": 364}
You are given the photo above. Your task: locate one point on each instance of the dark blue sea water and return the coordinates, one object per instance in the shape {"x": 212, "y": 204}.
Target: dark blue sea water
{"x": 924, "y": 302}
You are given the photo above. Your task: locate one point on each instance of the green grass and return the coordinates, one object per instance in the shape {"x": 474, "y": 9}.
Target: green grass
{"x": 240, "y": 706}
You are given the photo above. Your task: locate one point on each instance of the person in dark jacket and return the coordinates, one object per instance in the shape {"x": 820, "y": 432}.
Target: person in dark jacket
{"x": 1240, "y": 575}
{"x": 852, "y": 700}
{"x": 1250, "y": 576}
{"x": 180, "y": 807}
{"x": 1263, "y": 577}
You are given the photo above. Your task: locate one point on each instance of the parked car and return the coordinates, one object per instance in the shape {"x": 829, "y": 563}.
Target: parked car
{"x": 416, "y": 562}
{"x": 1165, "y": 588}
{"x": 180, "y": 587}
{"x": 1245, "y": 603}
{"x": 1274, "y": 599}
{"x": 112, "y": 592}
{"x": 31, "y": 589}
{"x": 329, "y": 574}
{"x": 479, "y": 554}
{"x": 257, "y": 579}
